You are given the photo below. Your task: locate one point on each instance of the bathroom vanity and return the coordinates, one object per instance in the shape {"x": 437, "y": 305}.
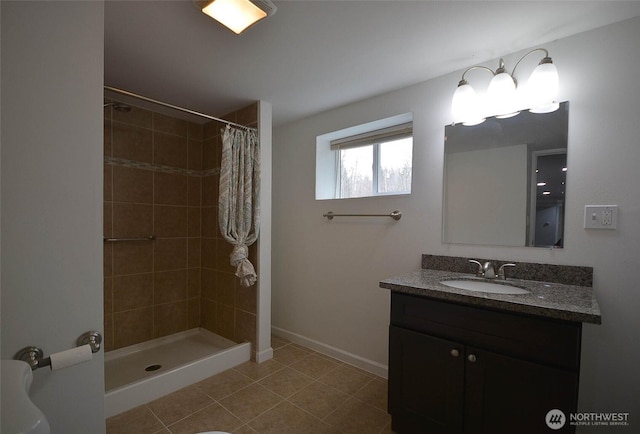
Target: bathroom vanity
{"x": 464, "y": 361}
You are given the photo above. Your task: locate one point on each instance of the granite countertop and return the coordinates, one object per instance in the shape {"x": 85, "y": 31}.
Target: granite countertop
{"x": 549, "y": 300}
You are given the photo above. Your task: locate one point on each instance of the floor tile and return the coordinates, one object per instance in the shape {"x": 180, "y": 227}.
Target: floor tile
{"x": 289, "y": 419}
{"x": 290, "y": 354}
{"x": 374, "y": 393}
{"x": 224, "y": 384}
{"x": 250, "y": 402}
{"x": 319, "y": 399}
{"x": 356, "y": 417}
{"x": 212, "y": 418}
{"x": 347, "y": 379}
{"x": 178, "y": 405}
{"x": 139, "y": 420}
{"x": 315, "y": 365}
{"x": 257, "y": 371}
{"x": 286, "y": 382}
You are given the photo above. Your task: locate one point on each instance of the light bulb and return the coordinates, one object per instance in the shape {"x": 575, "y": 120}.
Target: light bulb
{"x": 501, "y": 95}
{"x": 543, "y": 87}
{"x": 464, "y": 106}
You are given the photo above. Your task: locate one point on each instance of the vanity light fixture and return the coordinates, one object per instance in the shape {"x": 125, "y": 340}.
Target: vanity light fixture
{"x": 238, "y": 15}
{"x": 502, "y": 100}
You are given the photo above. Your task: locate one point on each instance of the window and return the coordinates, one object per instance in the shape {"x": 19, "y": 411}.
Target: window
{"x": 374, "y": 159}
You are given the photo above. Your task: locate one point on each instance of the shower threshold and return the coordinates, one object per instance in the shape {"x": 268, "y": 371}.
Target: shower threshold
{"x": 143, "y": 372}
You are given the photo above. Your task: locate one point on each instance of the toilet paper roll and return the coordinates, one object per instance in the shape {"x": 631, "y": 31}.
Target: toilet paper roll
{"x": 71, "y": 357}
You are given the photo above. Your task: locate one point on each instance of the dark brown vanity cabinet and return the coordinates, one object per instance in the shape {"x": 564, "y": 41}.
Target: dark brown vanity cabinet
{"x": 462, "y": 369}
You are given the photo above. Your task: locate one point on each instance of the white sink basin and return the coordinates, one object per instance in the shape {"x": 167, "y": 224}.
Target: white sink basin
{"x": 484, "y": 286}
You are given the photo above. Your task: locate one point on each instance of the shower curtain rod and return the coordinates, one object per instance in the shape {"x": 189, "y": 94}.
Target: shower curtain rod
{"x": 175, "y": 107}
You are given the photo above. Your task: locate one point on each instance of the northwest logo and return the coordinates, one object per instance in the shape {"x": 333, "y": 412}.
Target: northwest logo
{"x": 555, "y": 419}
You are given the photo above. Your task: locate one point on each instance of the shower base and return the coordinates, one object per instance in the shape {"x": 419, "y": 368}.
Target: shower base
{"x": 143, "y": 372}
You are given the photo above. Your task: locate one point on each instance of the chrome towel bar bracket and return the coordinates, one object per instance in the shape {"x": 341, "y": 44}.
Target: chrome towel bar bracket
{"x": 396, "y": 215}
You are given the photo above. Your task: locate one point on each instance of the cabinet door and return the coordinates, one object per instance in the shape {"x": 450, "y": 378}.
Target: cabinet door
{"x": 508, "y": 395}
{"x": 426, "y": 389}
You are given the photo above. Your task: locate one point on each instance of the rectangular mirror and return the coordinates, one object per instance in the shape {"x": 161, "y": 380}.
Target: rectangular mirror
{"x": 505, "y": 180}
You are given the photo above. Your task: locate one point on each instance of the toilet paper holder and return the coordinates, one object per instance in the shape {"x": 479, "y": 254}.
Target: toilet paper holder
{"x": 34, "y": 356}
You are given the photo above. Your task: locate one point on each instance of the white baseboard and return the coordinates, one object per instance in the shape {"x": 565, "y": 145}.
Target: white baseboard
{"x": 264, "y": 355}
{"x": 342, "y": 355}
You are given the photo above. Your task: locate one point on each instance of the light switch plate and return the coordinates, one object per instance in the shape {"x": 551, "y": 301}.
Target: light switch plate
{"x": 600, "y": 216}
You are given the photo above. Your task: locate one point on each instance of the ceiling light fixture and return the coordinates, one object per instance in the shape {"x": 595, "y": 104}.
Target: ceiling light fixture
{"x": 238, "y": 15}
{"x": 502, "y": 100}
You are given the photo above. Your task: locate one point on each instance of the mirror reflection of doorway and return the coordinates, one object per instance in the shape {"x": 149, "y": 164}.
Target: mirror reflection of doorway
{"x": 549, "y": 176}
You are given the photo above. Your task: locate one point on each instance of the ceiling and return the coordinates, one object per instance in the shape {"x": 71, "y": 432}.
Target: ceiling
{"x": 312, "y": 56}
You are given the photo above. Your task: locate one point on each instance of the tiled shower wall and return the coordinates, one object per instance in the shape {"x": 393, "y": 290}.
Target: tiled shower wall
{"x": 160, "y": 177}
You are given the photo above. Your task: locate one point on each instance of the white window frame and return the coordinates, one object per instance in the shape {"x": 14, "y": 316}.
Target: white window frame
{"x": 372, "y": 133}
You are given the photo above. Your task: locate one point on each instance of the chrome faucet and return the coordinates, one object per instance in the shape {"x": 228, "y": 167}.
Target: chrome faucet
{"x": 487, "y": 270}
{"x": 501, "y": 274}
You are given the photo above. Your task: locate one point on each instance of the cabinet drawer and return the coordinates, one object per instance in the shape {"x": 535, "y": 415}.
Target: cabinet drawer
{"x": 537, "y": 339}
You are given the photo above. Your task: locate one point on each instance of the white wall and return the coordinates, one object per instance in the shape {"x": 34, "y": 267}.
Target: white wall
{"x": 326, "y": 273}
{"x": 52, "y": 77}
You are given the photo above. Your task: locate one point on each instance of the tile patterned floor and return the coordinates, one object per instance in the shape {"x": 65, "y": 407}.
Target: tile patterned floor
{"x": 299, "y": 391}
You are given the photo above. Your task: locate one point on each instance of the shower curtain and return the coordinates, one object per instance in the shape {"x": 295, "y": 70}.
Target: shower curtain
{"x": 238, "y": 203}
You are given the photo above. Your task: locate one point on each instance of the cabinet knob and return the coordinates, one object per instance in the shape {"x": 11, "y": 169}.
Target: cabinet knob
{"x": 471, "y": 358}
{"x": 455, "y": 352}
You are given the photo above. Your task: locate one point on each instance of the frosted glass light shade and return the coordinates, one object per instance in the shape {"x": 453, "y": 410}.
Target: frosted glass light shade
{"x": 543, "y": 88}
{"x": 501, "y": 95}
{"x": 465, "y": 107}
{"x": 237, "y": 15}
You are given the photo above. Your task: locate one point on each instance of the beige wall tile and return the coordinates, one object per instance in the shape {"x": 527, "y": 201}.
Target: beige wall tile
{"x": 210, "y": 190}
{"x": 132, "y": 292}
{"x": 133, "y": 257}
{"x": 107, "y": 137}
{"x": 133, "y": 326}
{"x": 107, "y": 259}
{"x": 132, "y": 185}
{"x": 107, "y": 219}
{"x": 107, "y": 179}
{"x": 208, "y": 314}
{"x": 169, "y": 221}
{"x": 169, "y": 286}
{"x": 170, "y": 318}
{"x": 194, "y": 246}
{"x": 193, "y": 221}
{"x": 195, "y": 131}
{"x": 208, "y": 253}
{"x": 137, "y": 116}
{"x": 193, "y": 313}
{"x": 170, "y": 125}
{"x": 195, "y": 154}
{"x": 170, "y": 150}
{"x": 209, "y": 221}
{"x": 170, "y": 189}
{"x": 170, "y": 254}
{"x": 132, "y": 220}
{"x": 194, "y": 191}
{"x": 246, "y": 298}
{"x": 225, "y": 321}
{"x": 131, "y": 142}
{"x": 194, "y": 282}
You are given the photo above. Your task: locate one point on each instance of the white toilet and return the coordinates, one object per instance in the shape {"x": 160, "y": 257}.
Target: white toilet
{"x": 19, "y": 414}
